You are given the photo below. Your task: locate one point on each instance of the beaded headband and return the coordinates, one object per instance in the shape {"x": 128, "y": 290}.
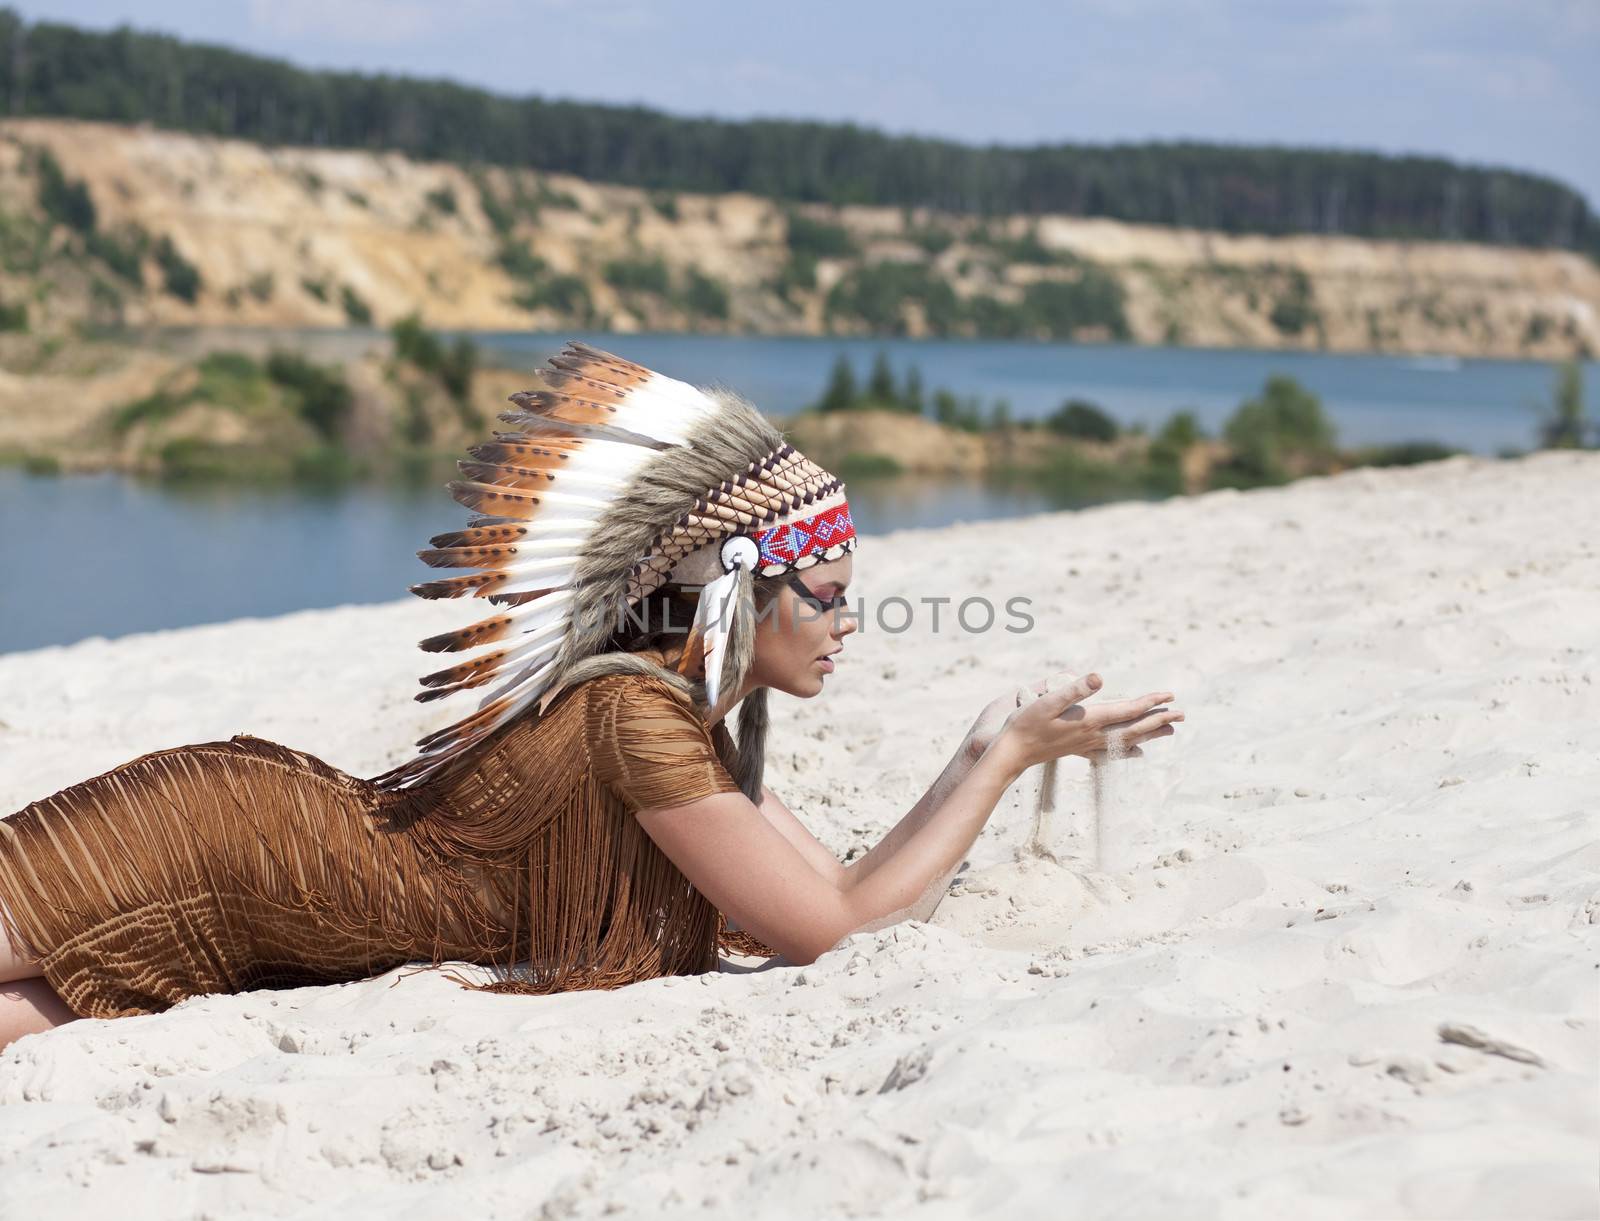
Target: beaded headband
{"x": 804, "y": 538}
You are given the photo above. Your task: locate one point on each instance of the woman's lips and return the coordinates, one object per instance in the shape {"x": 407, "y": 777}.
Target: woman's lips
{"x": 826, "y": 663}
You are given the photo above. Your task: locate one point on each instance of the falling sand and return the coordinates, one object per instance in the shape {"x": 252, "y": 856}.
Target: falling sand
{"x": 1109, "y": 805}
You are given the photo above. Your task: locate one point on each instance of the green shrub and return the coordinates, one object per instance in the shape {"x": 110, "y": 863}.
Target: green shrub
{"x": 1296, "y": 309}
{"x": 934, "y": 241}
{"x": 64, "y": 200}
{"x": 1565, "y": 425}
{"x": 566, "y": 294}
{"x": 356, "y": 311}
{"x": 315, "y": 288}
{"x": 666, "y": 205}
{"x": 879, "y": 293}
{"x": 819, "y": 239}
{"x": 193, "y": 458}
{"x": 798, "y": 271}
{"x": 123, "y": 256}
{"x": 13, "y": 317}
{"x": 153, "y": 407}
{"x": 520, "y": 263}
{"x": 456, "y": 373}
{"x": 955, "y": 412}
{"x": 322, "y": 397}
{"x": 454, "y": 366}
{"x": 228, "y": 366}
{"x": 1164, "y": 458}
{"x": 705, "y": 296}
{"x": 1025, "y": 249}
{"x": 501, "y": 218}
{"x": 859, "y": 466}
{"x": 1060, "y": 308}
{"x": 997, "y": 319}
{"x": 180, "y": 277}
{"x": 443, "y": 200}
{"x": 1082, "y": 419}
{"x": 1285, "y": 422}
{"x": 638, "y": 275}
{"x": 416, "y": 345}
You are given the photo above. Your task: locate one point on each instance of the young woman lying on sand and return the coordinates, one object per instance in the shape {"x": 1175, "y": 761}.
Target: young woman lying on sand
{"x": 593, "y": 822}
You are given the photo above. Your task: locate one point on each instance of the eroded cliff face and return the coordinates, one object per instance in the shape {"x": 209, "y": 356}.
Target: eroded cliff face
{"x": 293, "y": 237}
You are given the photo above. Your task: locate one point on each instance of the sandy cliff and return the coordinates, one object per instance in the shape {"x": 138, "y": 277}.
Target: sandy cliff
{"x": 307, "y": 237}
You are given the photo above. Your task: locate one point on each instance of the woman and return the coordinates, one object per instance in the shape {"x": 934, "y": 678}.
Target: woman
{"x": 657, "y": 556}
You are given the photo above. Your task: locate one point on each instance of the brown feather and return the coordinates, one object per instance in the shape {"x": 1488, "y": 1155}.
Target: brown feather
{"x": 533, "y": 455}
{"x": 480, "y": 536}
{"x": 485, "y": 631}
{"x": 502, "y": 502}
{"x": 579, "y": 357}
{"x": 468, "y": 557}
{"x": 454, "y": 587}
{"x": 463, "y": 727}
{"x": 576, "y": 385}
{"x": 466, "y": 669}
{"x": 507, "y": 476}
{"x": 563, "y": 407}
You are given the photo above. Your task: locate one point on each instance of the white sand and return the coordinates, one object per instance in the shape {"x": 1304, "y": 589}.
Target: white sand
{"x": 1344, "y": 960}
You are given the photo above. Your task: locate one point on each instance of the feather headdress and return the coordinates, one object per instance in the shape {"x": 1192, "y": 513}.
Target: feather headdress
{"x": 617, "y": 481}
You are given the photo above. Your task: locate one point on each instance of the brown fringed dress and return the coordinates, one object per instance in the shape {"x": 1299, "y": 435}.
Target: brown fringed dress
{"x": 229, "y": 866}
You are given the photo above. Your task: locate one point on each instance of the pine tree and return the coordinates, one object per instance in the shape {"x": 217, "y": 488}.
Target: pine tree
{"x": 841, "y": 394}
{"x": 911, "y": 396}
{"x": 880, "y": 385}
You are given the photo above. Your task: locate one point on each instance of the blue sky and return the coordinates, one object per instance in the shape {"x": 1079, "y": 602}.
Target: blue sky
{"x": 1499, "y": 82}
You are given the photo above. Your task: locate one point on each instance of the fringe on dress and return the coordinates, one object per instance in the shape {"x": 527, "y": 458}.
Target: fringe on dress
{"x": 229, "y": 866}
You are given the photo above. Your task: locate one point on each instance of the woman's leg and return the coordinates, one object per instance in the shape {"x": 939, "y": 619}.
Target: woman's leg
{"x": 28, "y": 1006}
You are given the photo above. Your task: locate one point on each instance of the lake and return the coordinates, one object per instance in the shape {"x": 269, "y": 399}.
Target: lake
{"x": 108, "y": 555}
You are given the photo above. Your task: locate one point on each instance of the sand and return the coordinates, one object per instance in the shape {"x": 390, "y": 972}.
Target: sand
{"x": 1340, "y": 956}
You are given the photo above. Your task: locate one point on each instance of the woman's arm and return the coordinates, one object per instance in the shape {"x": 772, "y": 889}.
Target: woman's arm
{"x": 938, "y": 793}
{"x": 797, "y": 833}
{"x": 984, "y": 730}
{"x": 762, "y": 882}
{"x": 749, "y": 869}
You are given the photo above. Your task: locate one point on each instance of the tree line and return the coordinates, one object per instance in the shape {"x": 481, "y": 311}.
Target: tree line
{"x": 125, "y": 76}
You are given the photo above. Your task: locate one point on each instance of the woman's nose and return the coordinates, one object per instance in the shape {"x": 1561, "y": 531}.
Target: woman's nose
{"x": 844, "y": 622}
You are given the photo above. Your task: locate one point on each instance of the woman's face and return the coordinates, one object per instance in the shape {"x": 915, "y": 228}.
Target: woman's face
{"x": 794, "y": 634}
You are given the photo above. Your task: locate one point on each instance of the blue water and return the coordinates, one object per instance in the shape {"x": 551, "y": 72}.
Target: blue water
{"x": 1479, "y": 405}
{"x": 109, "y": 555}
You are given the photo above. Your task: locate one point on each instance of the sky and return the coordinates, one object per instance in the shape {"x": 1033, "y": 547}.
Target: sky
{"x": 1488, "y": 82}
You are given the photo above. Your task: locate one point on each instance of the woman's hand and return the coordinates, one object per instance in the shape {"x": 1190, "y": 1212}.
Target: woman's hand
{"x": 994, "y": 716}
{"x": 1057, "y": 723}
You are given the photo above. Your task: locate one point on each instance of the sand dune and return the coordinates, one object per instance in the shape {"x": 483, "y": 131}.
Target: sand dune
{"x": 1340, "y": 956}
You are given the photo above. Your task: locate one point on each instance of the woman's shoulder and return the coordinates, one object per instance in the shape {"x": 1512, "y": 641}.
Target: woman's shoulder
{"x": 647, "y": 739}
{"x": 632, "y": 691}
